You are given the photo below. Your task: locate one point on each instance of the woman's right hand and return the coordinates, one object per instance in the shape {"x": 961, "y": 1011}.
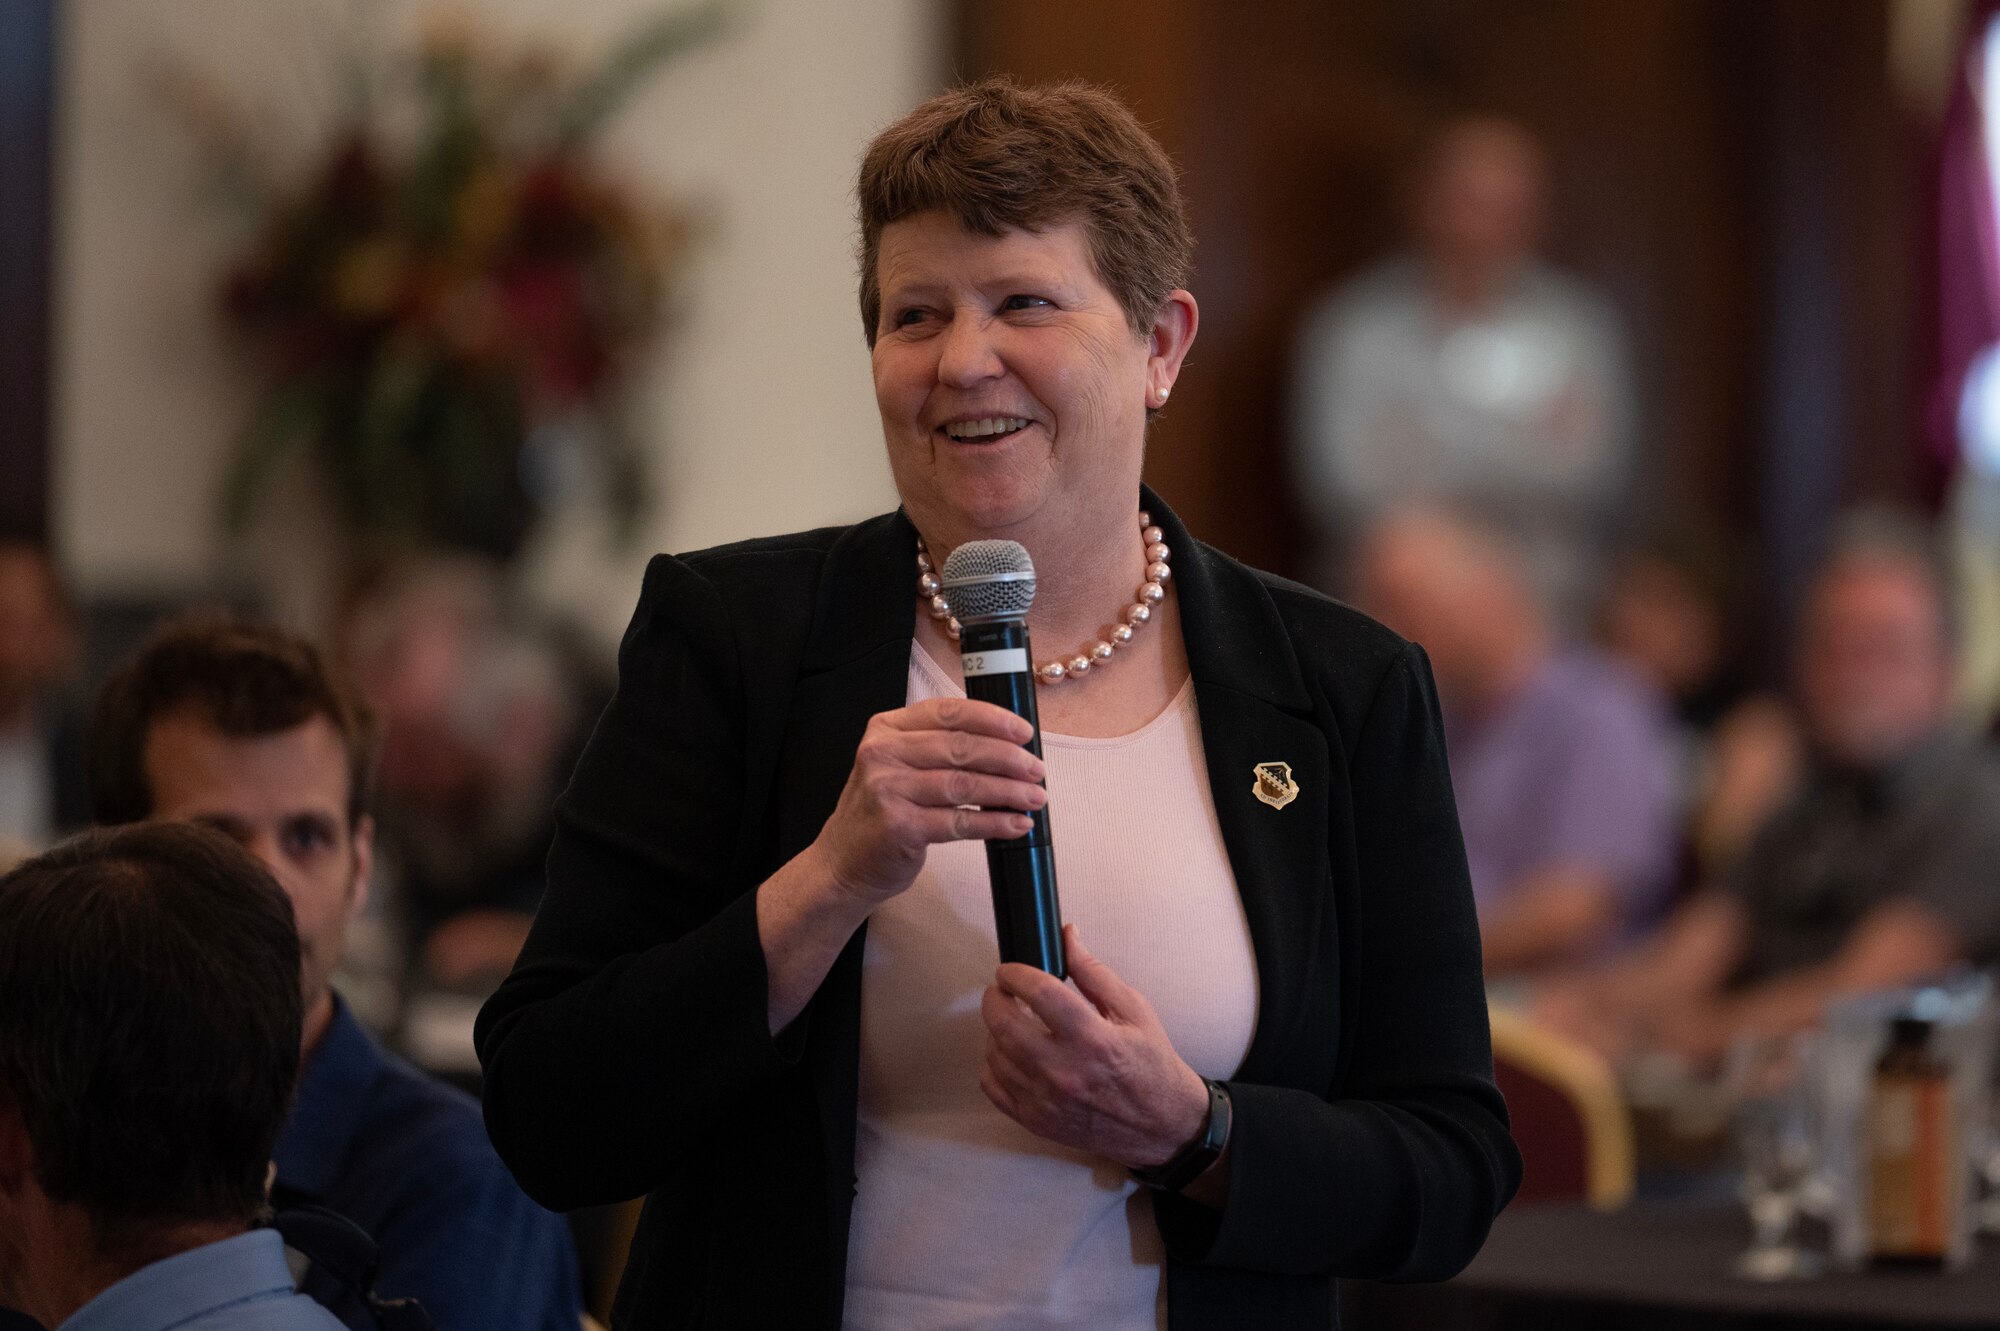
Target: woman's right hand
{"x": 915, "y": 773}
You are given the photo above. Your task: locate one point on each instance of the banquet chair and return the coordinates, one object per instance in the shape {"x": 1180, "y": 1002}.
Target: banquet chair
{"x": 1569, "y": 1119}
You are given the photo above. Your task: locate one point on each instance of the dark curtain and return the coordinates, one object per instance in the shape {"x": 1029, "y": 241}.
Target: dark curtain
{"x": 27, "y": 65}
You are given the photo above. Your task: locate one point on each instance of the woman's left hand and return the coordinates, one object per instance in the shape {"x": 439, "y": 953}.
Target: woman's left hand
{"x": 1091, "y": 1067}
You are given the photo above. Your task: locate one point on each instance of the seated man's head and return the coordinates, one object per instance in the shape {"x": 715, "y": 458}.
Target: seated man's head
{"x": 248, "y": 729}
{"x": 1456, "y": 583}
{"x": 1876, "y": 643}
{"x": 149, "y": 1041}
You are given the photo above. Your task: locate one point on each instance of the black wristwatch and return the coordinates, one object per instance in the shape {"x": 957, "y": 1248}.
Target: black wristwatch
{"x": 1193, "y": 1159}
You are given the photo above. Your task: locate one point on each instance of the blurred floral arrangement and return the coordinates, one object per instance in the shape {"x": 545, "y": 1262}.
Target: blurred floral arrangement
{"x": 446, "y": 306}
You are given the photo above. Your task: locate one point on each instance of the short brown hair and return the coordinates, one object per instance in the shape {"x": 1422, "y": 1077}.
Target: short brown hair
{"x": 149, "y": 1026}
{"x": 244, "y": 678}
{"x": 996, "y": 155}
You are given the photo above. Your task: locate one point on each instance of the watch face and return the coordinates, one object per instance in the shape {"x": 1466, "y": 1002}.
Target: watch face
{"x": 1219, "y": 1110}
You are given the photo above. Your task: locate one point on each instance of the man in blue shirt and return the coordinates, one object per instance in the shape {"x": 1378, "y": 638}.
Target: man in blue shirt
{"x": 248, "y": 730}
{"x": 1561, "y": 761}
{"x": 149, "y": 1018}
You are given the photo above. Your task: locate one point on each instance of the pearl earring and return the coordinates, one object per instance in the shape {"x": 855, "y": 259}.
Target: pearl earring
{"x": 1163, "y": 396}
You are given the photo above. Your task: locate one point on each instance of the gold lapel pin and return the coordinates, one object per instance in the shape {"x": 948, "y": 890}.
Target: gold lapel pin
{"x": 1274, "y": 784}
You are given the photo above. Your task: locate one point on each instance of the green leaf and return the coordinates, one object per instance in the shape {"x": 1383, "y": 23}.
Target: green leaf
{"x": 378, "y": 452}
{"x": 454, "y": 144}
{"x": 628, "y": 491}
{"x": 634, "y": 59}
{"x": 293, "y": 414}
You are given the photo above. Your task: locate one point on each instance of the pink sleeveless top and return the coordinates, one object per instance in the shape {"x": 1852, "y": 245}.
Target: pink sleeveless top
{"x": 963, "y": 1219}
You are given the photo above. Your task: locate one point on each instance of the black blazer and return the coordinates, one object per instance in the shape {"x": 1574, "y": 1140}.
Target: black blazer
{"x": 629, "y": 1051}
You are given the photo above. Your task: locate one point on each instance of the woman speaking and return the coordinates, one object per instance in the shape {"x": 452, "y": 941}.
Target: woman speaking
{"x": 764, "y": 988}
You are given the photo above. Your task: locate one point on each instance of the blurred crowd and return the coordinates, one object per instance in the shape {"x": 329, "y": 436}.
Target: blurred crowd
{"x": 1673, "y": 844}
{"x": 1673, "y": 841}
{"x": 476, "y": 712}
{"x": 1670, "y": 840}
{"x": 397, "y": 784}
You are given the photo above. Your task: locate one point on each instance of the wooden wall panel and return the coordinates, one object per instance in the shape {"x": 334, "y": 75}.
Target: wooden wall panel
{"x": 1293, "y": 122}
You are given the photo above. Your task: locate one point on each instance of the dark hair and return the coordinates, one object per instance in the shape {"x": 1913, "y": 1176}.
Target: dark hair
{"x": 996, "y": 155}
{"x": 1885, "y": 535}
{"x": 149, "y": 1025}
{"x": 246, "y": 679}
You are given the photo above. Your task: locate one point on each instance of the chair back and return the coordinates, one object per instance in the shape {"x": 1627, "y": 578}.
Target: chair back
{"x": 1569, "y": 1119}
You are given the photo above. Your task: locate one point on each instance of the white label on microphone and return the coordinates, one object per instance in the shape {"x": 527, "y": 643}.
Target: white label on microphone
{"x": 1005, "y": 661}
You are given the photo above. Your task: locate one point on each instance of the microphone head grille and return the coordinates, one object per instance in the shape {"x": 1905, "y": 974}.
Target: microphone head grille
{"x": 989, "y": 580}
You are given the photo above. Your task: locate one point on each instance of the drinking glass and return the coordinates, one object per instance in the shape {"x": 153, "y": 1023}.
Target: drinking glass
{"x": 1777, "y": 1136}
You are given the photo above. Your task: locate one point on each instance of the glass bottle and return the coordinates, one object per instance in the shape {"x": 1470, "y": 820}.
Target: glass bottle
{"x": 1913, "y": 1151}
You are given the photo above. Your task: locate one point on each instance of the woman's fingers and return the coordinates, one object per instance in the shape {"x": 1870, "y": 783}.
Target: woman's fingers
{"x": 958, "y": 748}
{"x": 953, "y": 786}
{"x": 1014, "y": 1075}
{"x": 1060, "y": 1070}
{"x": 1004, "y": 1087}
{"x": 979, "y": 718}
{"x": 946, "y": 769}
{"x": 936, "y": 826}
{"x": 1100, "y": 984}
{"x": 1012, "y": 1026}
{"x": 1063, "y": 1010}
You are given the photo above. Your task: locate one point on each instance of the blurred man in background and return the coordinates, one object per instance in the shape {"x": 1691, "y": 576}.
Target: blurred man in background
{"x": 1561, "y": 760}
{"x": 1671, "y": 612}
{"x": 1469, "y": 369}
{"x": 246, "y": 729}
{"x": 41, "y": 749}
{"x": 480, "y": 726}
{"x": 149, "y": 1019}
{"x": 1882, "y": 867}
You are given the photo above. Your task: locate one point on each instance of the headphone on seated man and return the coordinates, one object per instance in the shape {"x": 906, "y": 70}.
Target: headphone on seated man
{"x": 341, "y": 1249}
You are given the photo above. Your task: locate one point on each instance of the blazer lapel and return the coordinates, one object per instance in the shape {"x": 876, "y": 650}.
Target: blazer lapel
{"x": 855, "y": 664}
{"x": 1255, "y": 710}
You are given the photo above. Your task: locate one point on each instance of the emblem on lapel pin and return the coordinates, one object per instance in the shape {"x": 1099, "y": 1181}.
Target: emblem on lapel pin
{"x": 1274, "y": 784}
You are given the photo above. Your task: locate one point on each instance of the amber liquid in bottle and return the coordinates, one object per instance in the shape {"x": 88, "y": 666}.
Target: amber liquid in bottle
{"x": 1913, "y": 1155}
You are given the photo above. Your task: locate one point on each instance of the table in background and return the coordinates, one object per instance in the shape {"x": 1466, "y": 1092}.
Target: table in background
{"x": 1661, "y": 1268}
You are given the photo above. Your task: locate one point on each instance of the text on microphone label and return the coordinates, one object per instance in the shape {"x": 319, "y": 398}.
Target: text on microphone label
{"x": 1003, "y": 661}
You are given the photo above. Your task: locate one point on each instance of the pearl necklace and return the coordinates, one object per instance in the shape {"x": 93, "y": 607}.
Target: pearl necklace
{"x": 930, "y": 590}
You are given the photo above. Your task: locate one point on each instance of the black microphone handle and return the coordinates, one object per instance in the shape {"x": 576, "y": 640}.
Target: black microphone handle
{"x": 999, "y": 668}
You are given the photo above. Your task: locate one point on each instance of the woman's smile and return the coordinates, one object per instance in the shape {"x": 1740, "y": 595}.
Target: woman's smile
{"x": 992, "y": 349}
{"x": 984, "y": 429}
